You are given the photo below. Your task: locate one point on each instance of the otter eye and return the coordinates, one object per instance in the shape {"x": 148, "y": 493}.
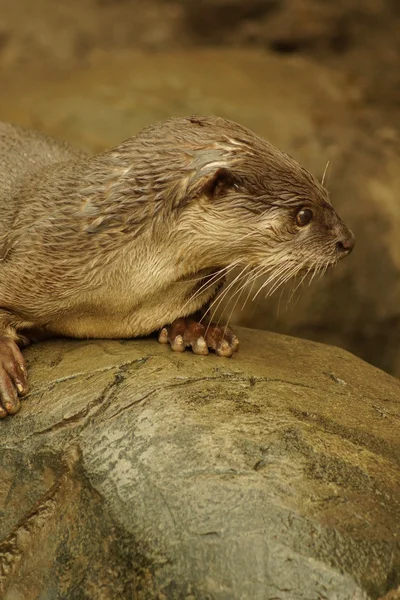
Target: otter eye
{"x": 304, "y": 216}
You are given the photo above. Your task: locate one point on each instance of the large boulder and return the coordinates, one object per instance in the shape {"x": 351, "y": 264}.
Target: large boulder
{"x": 135, "y": 472}
{"x": 304, "y": 109}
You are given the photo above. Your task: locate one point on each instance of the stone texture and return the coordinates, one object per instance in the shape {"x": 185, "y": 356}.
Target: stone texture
{"x": 304, "y": 109}
{"x": 135, "y": 472}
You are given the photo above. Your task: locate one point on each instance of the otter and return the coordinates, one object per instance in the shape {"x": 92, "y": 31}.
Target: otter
{"x": 139, "y": 238}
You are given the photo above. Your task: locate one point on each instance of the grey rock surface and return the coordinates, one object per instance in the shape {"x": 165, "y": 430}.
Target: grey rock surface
{"x": 135, "y": 472}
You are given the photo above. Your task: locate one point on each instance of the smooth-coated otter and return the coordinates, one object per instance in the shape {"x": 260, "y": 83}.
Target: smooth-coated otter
{"x": 138, "y": 238}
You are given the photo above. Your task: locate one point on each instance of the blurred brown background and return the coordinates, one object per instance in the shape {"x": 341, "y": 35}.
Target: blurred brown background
{"x": 319, "y": 79}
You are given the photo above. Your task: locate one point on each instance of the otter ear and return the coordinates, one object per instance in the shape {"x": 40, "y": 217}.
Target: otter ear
{"x": 219, "y": 182}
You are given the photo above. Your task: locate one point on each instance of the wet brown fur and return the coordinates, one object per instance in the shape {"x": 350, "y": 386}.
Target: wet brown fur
{"x": 109, "y": 246}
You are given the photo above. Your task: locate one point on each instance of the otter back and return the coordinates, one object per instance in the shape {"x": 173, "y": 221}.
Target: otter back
{"x": 24, "y": 152}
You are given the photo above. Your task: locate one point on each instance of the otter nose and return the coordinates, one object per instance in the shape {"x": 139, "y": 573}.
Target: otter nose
{"x": 346, "y": 244}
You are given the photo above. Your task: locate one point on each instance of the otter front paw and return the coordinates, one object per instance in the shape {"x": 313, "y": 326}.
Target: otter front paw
{"x": 13, "y": 378}
{"x": 187, "y": 332}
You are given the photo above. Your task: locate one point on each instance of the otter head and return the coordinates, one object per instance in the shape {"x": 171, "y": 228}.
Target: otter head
{"x": 213, "y": 195}
{"x": 253, "y": 205}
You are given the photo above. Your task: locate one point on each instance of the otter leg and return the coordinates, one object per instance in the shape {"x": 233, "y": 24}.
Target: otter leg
{"x": 13, "y": 374}
{"x": 201, "y": 337}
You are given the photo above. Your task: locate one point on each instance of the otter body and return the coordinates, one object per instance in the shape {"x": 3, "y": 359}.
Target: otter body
{"x": 123, "y": 243}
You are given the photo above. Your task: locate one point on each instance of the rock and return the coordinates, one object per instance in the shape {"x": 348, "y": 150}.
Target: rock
{"x": 308, "y": 111}
{"x": 135, "y": 472}
{"x": 359, "y": 37}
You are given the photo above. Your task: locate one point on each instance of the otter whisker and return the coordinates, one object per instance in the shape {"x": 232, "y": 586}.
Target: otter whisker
{"x": 270, "y": 280}
{"x": 233, "y": 309}
{"x": 326, "y": 267}
{"x": 254, "y": 274}
{"x": 295, "y": 288}
{"x": 251, "y": 277}
{"x": 276, "y": 275}
{"x": 248, "y": 277}
{"x": 252, "y": 282}
{"x": 278, "y": 308}
{"x": 284, "y": 278}
{"x": 325, "y": 172}
{"x": 260, "y": 272}
{"x": 239, "y": 281}
{"x": 315, "y": 272}
{"x": 280, "y": 282}
{"x": 221, "y": 297}
{"x": 217, "y": 301}
{"x": 211, "y": 282}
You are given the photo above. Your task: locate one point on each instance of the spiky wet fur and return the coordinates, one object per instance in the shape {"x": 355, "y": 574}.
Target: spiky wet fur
{"x": 115, "y": 245}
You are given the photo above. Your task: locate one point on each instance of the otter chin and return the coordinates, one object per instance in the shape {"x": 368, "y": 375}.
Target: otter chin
{"x": 140, "y": 238}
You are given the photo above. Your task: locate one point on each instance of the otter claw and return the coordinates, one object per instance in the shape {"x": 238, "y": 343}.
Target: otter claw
{"x": 200, "y": 346}
{"x": 177, "y": 345}
{"x": 224, "y": 349}
{"x": 235, "y": 343}
{"x": 163, "y": 336}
